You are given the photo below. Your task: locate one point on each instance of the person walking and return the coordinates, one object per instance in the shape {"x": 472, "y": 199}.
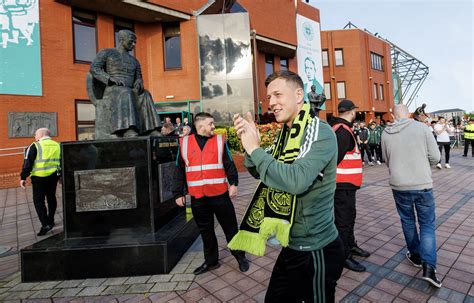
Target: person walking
{"x": 294, "y": 200}
{"x": 442, "y": 130}
{"x": 409, "y": 149}
{"x": 42, "y": 164}
{"x": 211, "y": 179}
{"x": 469, "y": 137}
{"x": 363, "y": 139}
{"x": 349, "y": 180}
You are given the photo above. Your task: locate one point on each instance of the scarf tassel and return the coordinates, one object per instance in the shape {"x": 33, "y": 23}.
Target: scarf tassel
{"x": 278, "y": 227}
{"x": 250, "y": 242}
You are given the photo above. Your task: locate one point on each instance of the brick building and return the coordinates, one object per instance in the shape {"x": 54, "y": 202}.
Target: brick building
{"x": 72, "y": 31}
{"x": 357, "y": 66}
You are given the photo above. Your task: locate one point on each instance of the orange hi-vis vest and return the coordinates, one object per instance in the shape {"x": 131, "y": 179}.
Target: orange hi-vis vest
{"x": 205, "y": 173}
{"x": 350, "y": 168}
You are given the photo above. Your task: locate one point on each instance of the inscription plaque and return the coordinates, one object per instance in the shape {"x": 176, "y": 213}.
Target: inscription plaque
{"x": 24, "y": 124}
{"x": 167, "y": 174}
{"x": 105, "y": 189}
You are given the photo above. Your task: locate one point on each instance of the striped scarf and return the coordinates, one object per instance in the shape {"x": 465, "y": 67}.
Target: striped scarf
{"x": 271, "y": 211}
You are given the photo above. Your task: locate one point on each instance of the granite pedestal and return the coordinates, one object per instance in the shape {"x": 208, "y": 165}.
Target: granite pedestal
{"x": 120, "y": 218}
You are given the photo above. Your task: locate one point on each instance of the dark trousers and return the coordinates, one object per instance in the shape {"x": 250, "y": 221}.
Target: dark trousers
{"x": 466, "y": 146}
{"x": 204, "y": 210}
{"x": 45, "y": 187}
{"x": 447, "y": 148}
{"x": 306, "y": 276}
{"x": 344, "y": 217}
{"x": 376, "y": 149}
{"x": 364, "y": 149}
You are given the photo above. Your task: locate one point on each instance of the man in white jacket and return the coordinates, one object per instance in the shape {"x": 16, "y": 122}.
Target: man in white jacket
{"x": 410, "y": 149}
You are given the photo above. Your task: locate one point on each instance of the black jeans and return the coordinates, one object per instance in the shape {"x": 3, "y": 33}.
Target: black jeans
{"x": 364, "y": 148}
{"x": 45, "y": 187}
{"x": 204, "y": 210}
{"x": 447, "y": 148}
{"x": 376, "y": 149}
{"x": 466, "y": 146}
{"x": 344, "y": 217}
{"x": 306, "y": 276}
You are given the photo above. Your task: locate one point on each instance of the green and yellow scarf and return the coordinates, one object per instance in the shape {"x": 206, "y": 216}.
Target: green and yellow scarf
{"x": 271, "y": 211}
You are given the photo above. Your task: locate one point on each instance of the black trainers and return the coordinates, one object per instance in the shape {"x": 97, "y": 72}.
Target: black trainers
{"x": 44, "y": 230}
{"x": 353, "y": 265}
{"x": 357, "y": 251}
{"x": 429, "y": 274}
{"x": 414, "y": 259}
{"x": 243, "y": 264}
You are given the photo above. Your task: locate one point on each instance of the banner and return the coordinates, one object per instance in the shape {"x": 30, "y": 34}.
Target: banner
{"x": 310, "y": 67}
{"x": 20, "y": 49}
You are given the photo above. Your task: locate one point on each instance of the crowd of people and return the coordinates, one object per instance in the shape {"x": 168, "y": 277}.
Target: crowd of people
{"x": 306, "y": 197}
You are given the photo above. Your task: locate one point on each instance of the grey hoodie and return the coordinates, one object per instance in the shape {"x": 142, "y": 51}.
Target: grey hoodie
{"x": 409, "y": 149}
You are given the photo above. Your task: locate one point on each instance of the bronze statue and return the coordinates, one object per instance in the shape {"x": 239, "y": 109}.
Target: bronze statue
{"x": 115, "y": 86}
{"x": 316, "y": 100}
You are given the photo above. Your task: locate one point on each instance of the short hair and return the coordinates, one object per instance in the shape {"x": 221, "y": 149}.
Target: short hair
{"x": 288, "y": 76}
{"x": 202, "y": 116}
{"x": 124, "y": 33}
{"x": 168, "y": 125}
{"x": 187, "y": 127}
{"x": 310, "y": 60}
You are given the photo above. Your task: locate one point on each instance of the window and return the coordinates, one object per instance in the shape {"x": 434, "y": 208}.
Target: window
{"x": 268, "y": 65}
{"x": 120, "y": 24}
{"x": 325, "y": 56}
{"x": 283, "y": 63}
{"x": 375, "y": 91}
{"x": 85, "y": 120}
{"x": 376, "y": 61}
{"x": 338, "y": 53}
{"x": 172, "y": 45}
{"x": 341, "y": 90}
{"x": 327, "y": 90}
{"x": 84, "y": 32}
{"x": 381, "y": 92}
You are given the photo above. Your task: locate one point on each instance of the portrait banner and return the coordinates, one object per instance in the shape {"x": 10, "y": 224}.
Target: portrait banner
{"x": 20, "y": 48}
{"x": 310, "y": 67}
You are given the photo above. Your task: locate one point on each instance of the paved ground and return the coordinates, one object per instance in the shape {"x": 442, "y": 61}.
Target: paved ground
{"x": 390, "y": 278}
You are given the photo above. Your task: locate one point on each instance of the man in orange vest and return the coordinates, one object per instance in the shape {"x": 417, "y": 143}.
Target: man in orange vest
{"x": 348, "y": 180}
{"x": 211, "y": 180}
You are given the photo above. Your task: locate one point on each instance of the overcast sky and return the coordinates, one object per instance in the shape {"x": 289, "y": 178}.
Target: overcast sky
{"x": 439, "y": 33}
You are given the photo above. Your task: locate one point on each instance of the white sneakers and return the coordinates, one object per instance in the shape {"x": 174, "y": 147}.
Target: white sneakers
{"x": 378, "y": 162}
{"x": 439, "y": 165}
{"x": 447, "y": 165}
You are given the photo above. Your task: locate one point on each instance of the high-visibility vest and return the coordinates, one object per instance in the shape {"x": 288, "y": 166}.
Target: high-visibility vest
{"x": 48, "y": 157}
{"x": 350, "y": 168}
{"x": 469, "y": 132}
{"x": 205, "y": 173}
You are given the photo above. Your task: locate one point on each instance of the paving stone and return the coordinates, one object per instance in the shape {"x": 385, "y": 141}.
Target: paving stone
{"x": 139, "y": 288}
{"x": 18, "y": 295}
{"x": 44, "y": 293}
{"x": 179, "y": 269}
{"x": 46, "y": 285}
{"x": 24, "y": 286}
{"x": 183, "y": 285}
{"x": 160, "y": 278}
{"x": 137, "y": 280}
{"x": 166, "y": 286}
{"x": 69, "y": 284}
{"x": 115, "y": 281}
{"x": 115, "y": 290}
{"x": 92, "y": 291}
{"x": 92, "y": 282}
{"x": 183, "y": 277}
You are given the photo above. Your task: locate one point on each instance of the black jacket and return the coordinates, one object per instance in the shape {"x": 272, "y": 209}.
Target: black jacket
{"x": 180, "y": 188}
{"x": 345, "y": 143}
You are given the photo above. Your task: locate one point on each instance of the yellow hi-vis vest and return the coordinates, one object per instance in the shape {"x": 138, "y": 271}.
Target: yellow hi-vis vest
{"x": 469, "y": 132}
{"x": 48, "y": 157}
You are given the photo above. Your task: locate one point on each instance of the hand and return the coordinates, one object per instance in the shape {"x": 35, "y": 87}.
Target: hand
{"x": 116, "y": 81}
{"x": 247, "y": 132}
{"x": 138, "y": 85}
{"x": 181, "y": 201}
{"x": 23, "y": 184}
{"x": 233, "y": 191}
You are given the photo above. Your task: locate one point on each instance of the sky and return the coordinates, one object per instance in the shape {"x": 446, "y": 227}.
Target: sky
{"x": 438, "y": 33}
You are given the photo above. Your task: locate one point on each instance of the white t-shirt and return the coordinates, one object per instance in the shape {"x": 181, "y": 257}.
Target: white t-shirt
{"x": 444, "y": 136}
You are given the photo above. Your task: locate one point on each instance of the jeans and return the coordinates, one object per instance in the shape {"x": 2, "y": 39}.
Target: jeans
{"x": 423, "y": 242}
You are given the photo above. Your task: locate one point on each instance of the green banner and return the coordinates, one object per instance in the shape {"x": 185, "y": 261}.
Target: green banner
{"x": 20, "y": 48}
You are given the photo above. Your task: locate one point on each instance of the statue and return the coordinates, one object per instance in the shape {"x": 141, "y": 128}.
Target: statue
{"x": 115, "y": 86}
{"x": 316, "y": 100}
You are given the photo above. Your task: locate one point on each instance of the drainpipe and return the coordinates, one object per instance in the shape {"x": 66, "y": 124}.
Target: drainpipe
{"x": 253, "y": 35}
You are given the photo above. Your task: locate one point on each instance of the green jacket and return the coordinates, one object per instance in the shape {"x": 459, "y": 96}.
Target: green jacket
{"x": 375, "y": 135}
{"x": 313, "y": 225}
